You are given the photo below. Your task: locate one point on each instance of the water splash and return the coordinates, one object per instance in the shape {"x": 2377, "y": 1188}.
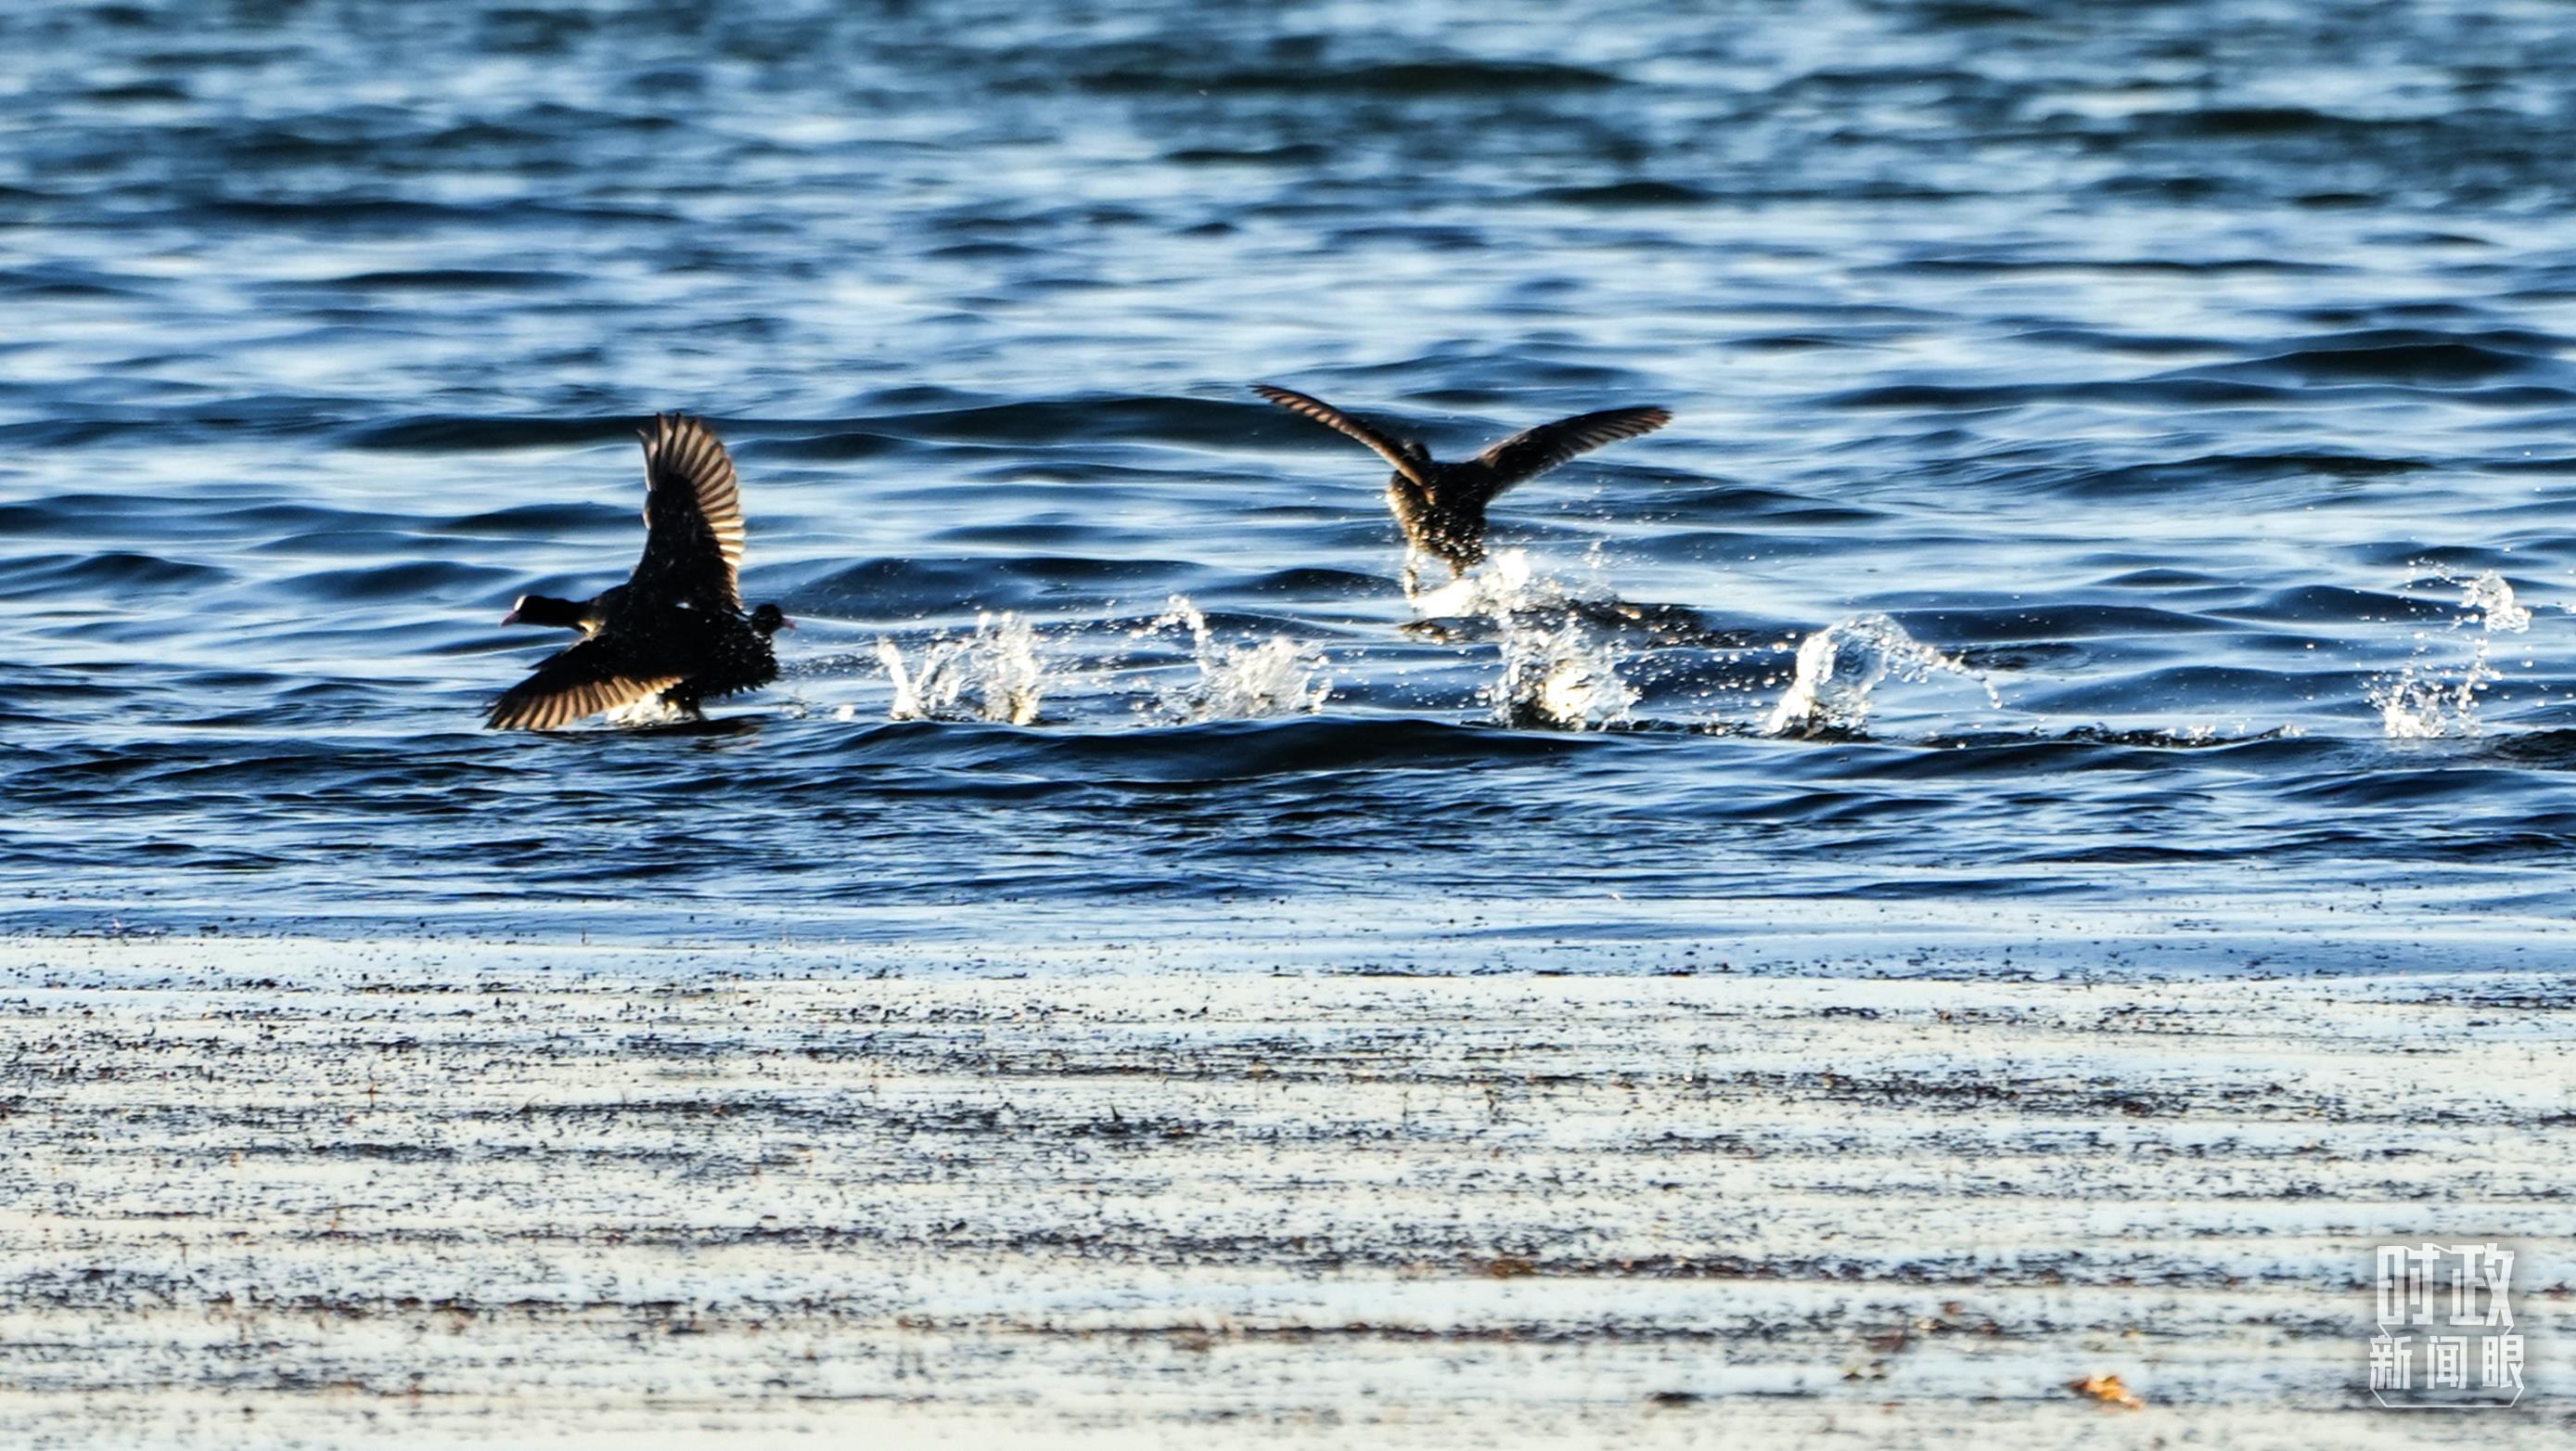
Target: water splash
{"x": 993, "y": 674}
{"x": 2498, "y": 612}
{"x": 1505, "y": 583}
{"x": 651, "y": 711}
{"x": 1559, "y": 677}
{"x": 1276, "y": 677}
{"x": 2426, "y": 702}
{"x": 1841, "y": 665}
{"x": 1556, "y": 674}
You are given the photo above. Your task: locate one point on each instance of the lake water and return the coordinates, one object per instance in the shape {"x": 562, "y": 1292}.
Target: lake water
{"x": 2163, "y": 412}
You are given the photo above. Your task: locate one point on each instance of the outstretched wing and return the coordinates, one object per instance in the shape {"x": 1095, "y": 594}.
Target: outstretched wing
{"x": 692, "y": 517}
{"x": 1527, "y": 455}
{"x": 1406, "y": 461}
{"x": 583, "y": 680}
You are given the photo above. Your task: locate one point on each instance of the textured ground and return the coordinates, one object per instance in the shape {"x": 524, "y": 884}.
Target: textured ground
{"x": 1171, "y": 1190}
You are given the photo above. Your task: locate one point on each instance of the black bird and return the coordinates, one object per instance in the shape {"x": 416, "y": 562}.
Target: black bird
{"x": 1442, "y": 506}
{"x": 676, "y": 628}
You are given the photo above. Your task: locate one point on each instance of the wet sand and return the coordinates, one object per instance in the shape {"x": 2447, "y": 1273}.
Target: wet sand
{"x": 1416, "y": 1185}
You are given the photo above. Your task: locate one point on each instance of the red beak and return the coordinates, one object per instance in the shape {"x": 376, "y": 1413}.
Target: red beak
{"x": 511, "y": 618}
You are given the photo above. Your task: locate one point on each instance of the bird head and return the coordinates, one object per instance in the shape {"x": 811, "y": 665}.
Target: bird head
{"x": 548, "y": 612}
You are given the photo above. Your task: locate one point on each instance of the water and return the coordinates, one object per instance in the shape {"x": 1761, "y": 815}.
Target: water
{"x": 2191, "y": 378}
{"x": 992, "y": 674}
{"x": 1841, "y": 667}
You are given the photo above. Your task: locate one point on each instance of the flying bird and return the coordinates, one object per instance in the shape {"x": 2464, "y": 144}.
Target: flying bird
{"x": 1442, "y": 506}
{"x": 676, "y": 629}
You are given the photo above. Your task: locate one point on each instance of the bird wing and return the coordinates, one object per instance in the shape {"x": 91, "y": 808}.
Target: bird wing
{"x": 1527, "y": 455}
{"x": 692, "y": 517}
{"x": 1325, "y": 413}
{"x": 582, "y": 680}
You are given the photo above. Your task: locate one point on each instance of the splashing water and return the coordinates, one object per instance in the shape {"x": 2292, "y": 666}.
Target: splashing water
{"x": 1555, "y": 676}
{"x": 650, "y": 711}
{"x": 2493, "y": 600}
{"x": 1841, "y": 665}
{"x": 1506, "y": 583}
{"x": 1559, "y": 678}
{"x": 2423, "y": 702}
{"x": 1242, "y": 682}
{"x": 993, "y": 674}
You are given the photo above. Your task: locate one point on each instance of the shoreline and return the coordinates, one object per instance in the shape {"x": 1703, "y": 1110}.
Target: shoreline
{"x": 483, "y": 1194}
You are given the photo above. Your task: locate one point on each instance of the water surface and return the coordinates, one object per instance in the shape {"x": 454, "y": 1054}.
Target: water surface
{"x": 2174, "y": 401}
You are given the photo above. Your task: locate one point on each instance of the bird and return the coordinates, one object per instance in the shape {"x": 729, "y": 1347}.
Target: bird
{"x": 1442, "y": 506}
{"x": 676, "y": 630}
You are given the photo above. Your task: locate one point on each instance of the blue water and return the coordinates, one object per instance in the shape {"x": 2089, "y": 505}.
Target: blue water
{"x": 2190, "y": 382}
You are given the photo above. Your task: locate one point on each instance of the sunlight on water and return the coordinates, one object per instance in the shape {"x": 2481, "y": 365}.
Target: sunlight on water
{"x": 1274, "y": 677}
{"x": 993, "y": 674}
{"x": 2428, "y": 701}
{"x": 1840, "y": 666}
